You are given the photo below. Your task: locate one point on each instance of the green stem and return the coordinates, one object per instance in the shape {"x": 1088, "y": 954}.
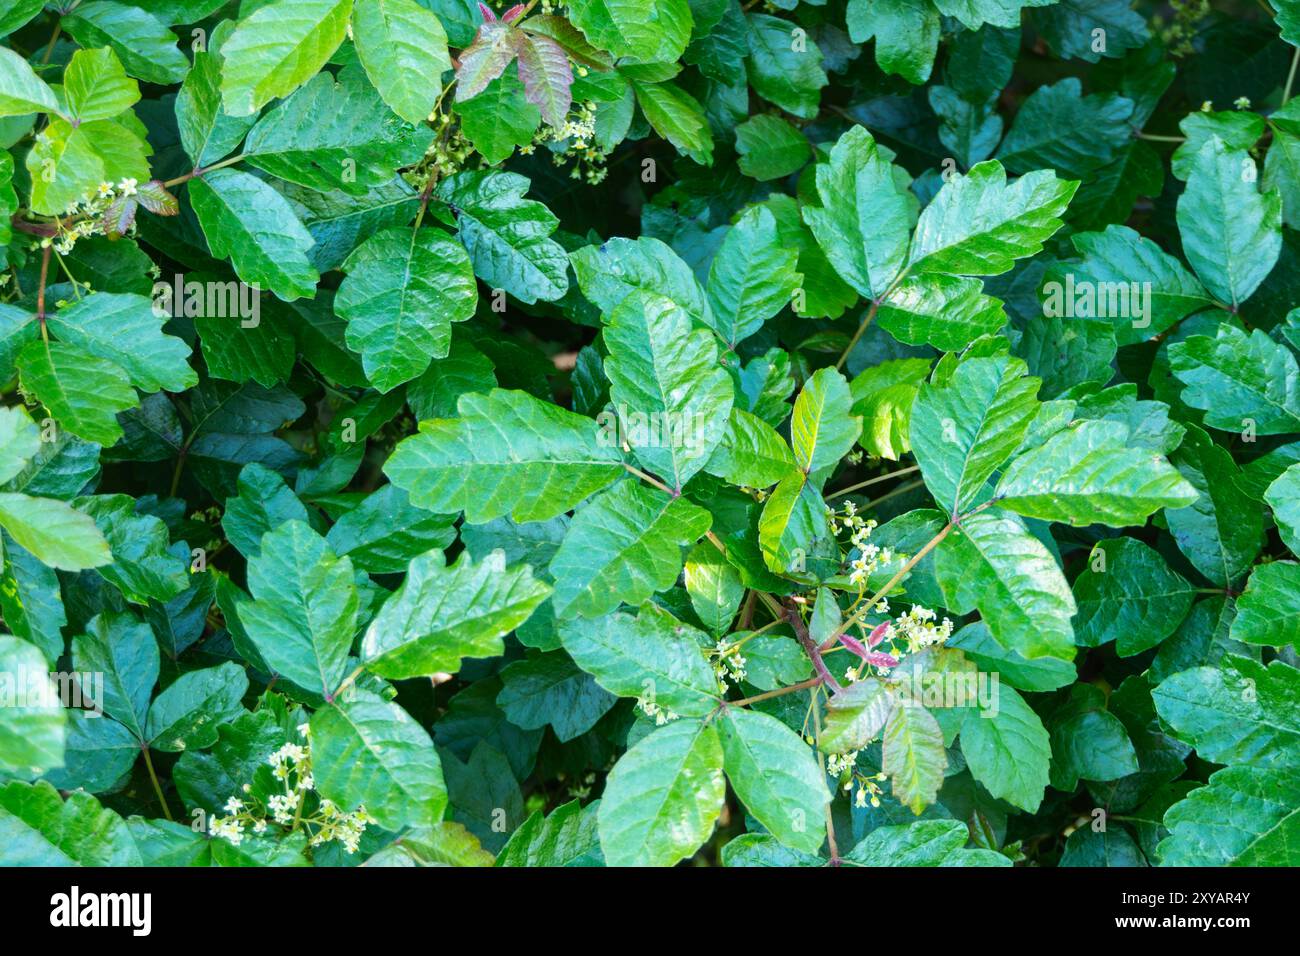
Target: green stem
{"x": 157, "y": 788}
{"x": 195, "y": 173}
{"x": 872, "y": 481}
{"x": 1152, "y": 137}
{"x": 1290, "y": 77}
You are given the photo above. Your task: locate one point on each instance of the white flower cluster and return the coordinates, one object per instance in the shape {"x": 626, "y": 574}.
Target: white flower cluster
{"x": 651, "y": 709}
{"x": 844, "y": 767}
{"x": 576, "y": 137}
{"x": 87, "y": 214}
{"x": 870, "y": 556}
{"x": 917, "y": 628}
{"x": 291, "y": 765}
{"x": 729, "y": 663}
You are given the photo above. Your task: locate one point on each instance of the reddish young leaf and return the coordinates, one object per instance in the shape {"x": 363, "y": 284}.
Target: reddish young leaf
{"x": 546, "y": 75}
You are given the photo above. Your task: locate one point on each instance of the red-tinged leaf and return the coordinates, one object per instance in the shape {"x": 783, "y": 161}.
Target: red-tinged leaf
{"x": 513, "y": 14}
{"x": 488, "y": 15}
{"x": 877, "y": 634}
{"x": 153, "y": 197}
{"x": 119, "y": 217}
{"x": 547, "y": 76}
{"x": 880, "y": 659}
{"x": 485, "y": 59}
{"x": 854, "y": 645}
{"x": 568, "y": 36}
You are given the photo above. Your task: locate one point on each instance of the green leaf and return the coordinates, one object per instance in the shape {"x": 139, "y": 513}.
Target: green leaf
{"x": 752, "y": 277}
{"x": 385, "y": 531}
{"x": 913, "y": 754}
{"x": 1129, "y": 593}
{"x": 1245, "y": 816}
{"x": 1231, "y": 232}
{"x": 39, "y": 828}
{"x": 52, "y": 531}
{"x": 979, "y": 225}
{"x": 305, "y": 607}
{"x": 1241, "y": 381}
{"x": 31, "y": 601}
{"x": 1117, "y": 259}
{"x": 610, "y": 272}
{"x": 507, "y": 236}
{"x": 255, "y": 226}
{"x": 992, "y": 563}
{"x": 663, "y": 796}
{"x": 623, "y": 546}
{"x": 672, "y": 397}
{"x": 143, "y": 565}
{"x": 973, "y": 14}
{"x": 69, "y": 162}
{"x": 1058, "y": 128}
{"x": 550, "y": 690}
{"x": 207, "y": 132}
{"x": 96, "y": 86}
{"x": 20, "y": 441}
{"x": 499, "y": 119}
{"x": 751, "y": 453}
{"x": 947, "y": 312}
{"x": 714, "y": 586}
{"x": 124, "y": 650}
{"x": 824, "y": 292}
{"x": 1089, "y": 474}
{"x": 334, "y": 135}
{"x": 188, "y": 712}
{"x": 369, "y": 752}
{"x": 922, "y": 843}
{"x": 1220, "y": 533}
{"x": 775, "y": 775}
{"x": 1241, "y": 712}
{"x": 403, "y": 48}
{"x": 784, "y": 69}
{"x": 31, "y": 730}
{"x": 906, "y": 32}
{"x": 652, "y": 657}
{"x": 793, "y": 532}
{"x": 253, "y": 348}
{"x": 263, "y": 504}
{"x": 565, "y": 837}
{"x": 145, "y": 45}
{"x": 507, "y": 453}
{"x": 678, "y": 117}
{"x": 883, "y": 396}
{"x": 1283, "y": 496}
{"x": 1007, "y": 750}
{"x": 856, "y": 716}
{"x": 965, "y": 429}
{"x": 128, "y": 331}
{"x": 1268, "y": 611}
{"x": 277, "y": 48}
{"x": 404, "y": 289}
{"x": 865, "y": 218}
{"x": 21, "y": 90}
{"x": 770, "y": 148}
{"x": 651, "y": 31}
{"x": 83, "y": 392}
{"x": 1087, "y": 742}
{"x": 822, "y": 428}
{"x": 444, "y": 613}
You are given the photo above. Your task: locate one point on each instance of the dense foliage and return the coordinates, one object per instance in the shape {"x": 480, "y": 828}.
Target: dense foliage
{"x": 633, "y": 431}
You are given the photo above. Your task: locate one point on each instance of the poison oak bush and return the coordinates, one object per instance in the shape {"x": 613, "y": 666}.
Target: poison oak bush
{"x": 627, "y": 432}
